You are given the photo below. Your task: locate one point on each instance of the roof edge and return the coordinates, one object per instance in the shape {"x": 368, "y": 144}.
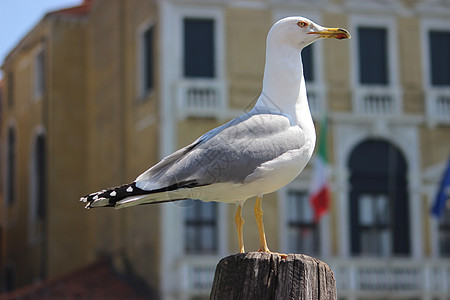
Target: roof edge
{"x": 74, "y": 12}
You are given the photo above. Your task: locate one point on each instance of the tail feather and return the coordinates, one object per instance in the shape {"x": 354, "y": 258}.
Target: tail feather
{"x": 110, "y": 196}
{"x": 146, "y": 199}
{"x": 130, "y": 195}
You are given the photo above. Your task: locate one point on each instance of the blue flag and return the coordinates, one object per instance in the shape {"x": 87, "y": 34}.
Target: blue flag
{"x": 443, "y": 193}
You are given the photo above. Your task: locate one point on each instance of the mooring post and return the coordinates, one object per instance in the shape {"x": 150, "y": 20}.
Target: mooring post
{"x": 259, "y": 276}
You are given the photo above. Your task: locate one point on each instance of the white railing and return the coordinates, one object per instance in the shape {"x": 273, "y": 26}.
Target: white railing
{"x": 377, "y": 101}
{"x": 316, "y": 99}
{"x": 368, "y": 277}
{"x": 197, "y": 275}
{"x": 438, "y": 105}
{"x": 400, "y": 278}
{"x": 201, "y": 98}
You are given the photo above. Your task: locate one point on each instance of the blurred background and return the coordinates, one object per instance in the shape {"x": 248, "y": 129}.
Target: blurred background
{"x": 92, "y": 93}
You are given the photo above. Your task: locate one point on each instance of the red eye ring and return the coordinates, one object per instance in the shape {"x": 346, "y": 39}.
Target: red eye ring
{"x": 302, "y": 24}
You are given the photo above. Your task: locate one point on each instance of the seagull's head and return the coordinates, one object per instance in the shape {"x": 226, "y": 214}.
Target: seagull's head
{"x": 300, "y": 32}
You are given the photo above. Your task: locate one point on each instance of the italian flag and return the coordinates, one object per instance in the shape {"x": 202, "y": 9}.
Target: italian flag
{"x": 320, "y": 190}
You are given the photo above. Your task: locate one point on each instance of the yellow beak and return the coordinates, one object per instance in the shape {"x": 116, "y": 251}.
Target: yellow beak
{"x": 333, "y": 33}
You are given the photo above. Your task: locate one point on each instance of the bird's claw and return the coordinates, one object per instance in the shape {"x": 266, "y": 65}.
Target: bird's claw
{"x": 282, "y": 255}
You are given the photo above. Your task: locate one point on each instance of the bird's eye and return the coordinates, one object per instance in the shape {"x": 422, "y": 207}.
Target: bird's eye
{"x": 302, "y": 24}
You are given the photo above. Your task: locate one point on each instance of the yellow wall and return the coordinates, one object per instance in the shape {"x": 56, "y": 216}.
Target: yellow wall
{"x": 246, "y": 32}
{"x": 25, "y": 116}
{"x": 67, "y": 151}
{"x": 119, "y": 148}
{"x": 100, "y": 134}
{"x": 409, "y": 49}
{"x": 337, "y": 67}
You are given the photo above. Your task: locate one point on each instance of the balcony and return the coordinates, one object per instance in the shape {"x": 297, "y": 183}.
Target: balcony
{"x": 197, "y": 276}
{"x": 316, "y": 99}
{"x": 391, "y": 278}
{"x": 438, "y": 106}
{"x": 355, "y": 278}
{"x": 377, "y": 101}
{"x": 202, "y": 98}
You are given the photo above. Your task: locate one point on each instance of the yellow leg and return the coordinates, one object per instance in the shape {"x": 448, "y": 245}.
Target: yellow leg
{"x": 259, "y": 221}
{"x": 239, "y": 226}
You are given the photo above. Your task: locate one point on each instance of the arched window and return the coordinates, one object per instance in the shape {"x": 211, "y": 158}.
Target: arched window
{"x": 10, "y": 277}
{"x": 379, "y": 207}
{"x": 11, "y": 166}
{"x": 38, "y": 179}
{"x": 444, "y": 233}
{"x": 303, "y": 234}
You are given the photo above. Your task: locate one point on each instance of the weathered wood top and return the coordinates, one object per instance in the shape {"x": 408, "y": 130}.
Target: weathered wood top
{"x": 259, "y": 276}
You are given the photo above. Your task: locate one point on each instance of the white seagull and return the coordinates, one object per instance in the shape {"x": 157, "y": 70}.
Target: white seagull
{"x": 254, "y": 154}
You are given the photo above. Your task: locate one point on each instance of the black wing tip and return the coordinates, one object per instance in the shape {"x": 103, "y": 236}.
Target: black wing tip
{"x": 110, "y": 196}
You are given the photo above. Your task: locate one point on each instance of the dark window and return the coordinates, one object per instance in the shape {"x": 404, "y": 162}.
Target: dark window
{"x": 10, "y": 278}
{"x": 11, "y": 167}
{"x": 302, "y": 232}
{"x": 1, "y": 244}
{"x": 374, "y": 225}
{"x": 373, "y": 58}
{"x": 444, "y": 233}
{"x": 379, "y": 205}
{"x": 39, "y": 173}
{"x": 147, "y": 51}
{"x": 10, "y": 89}
{"x": 308, "y": 63}
{"x": 39, "y": 88}
{"x": 439, "y": 56}
{"x": 201, "y": 228}
{"x": 199, "y": 48}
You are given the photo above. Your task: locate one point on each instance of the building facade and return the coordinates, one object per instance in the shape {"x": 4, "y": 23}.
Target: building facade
{"x": 96, "y": 94}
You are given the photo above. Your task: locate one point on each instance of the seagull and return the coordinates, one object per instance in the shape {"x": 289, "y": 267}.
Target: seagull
{"x": 254, "y": 154}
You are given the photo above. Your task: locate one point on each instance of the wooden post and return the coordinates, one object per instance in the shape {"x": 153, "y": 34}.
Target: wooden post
{"x": 258, "y": 276}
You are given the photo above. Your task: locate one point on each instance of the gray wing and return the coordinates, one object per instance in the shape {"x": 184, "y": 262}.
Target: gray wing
{"x": 228, "y": 153}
